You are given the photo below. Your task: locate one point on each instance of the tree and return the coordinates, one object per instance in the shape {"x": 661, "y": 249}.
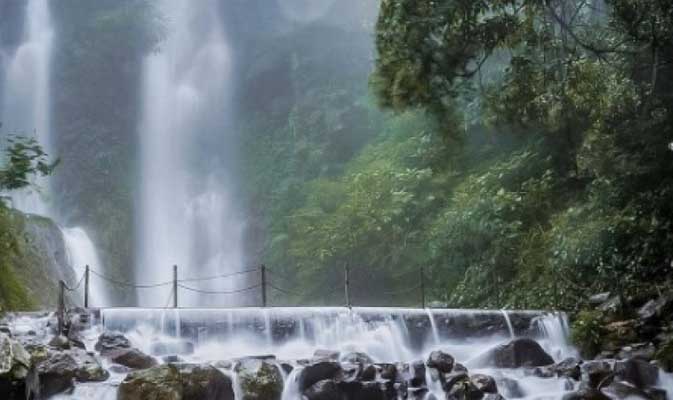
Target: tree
{"x": 24, "y": 158}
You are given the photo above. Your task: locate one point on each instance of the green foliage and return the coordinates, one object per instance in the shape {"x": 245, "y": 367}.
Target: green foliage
{"x": 24, "y": 159}
{"x": 13, "y": 293}
{"x": 586, "y": 332}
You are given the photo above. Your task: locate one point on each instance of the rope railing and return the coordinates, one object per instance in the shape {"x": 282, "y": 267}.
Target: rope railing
{"x": 268, "y": 280}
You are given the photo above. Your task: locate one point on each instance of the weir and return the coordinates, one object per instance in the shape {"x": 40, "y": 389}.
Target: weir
{"x": 386, "y": 334}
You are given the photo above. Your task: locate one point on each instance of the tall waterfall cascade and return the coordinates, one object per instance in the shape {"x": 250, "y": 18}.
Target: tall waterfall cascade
{"x": 187, "y": 215}
{"x": 25, "y": 110}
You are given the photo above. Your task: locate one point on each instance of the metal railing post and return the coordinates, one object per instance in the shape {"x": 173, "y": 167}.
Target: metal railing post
{"x": 422, "y": 288}
{"x": 263, "y": 269}
{"x": 175, "y": 286}
{"x": 61, "y": 307}
{"x": 86, "y": 287}
{"x": 347, "y": 286}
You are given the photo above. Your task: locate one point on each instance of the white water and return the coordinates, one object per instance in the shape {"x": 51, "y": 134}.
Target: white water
{"x": 187, "y": 215}
{"x": 26, "y": 111}
{"x": 81, "y": 252}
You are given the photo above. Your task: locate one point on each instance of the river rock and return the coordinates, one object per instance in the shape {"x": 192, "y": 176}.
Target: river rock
{"x": 367, "y": 373}
{"x": 158, "y": 383}
{"x": 259, "y": 380}
{"x": 322, "y": 354}
{"x": 131, "y": 358}
{"x": 177, "y": 382}
{"x": 655, "y": 308}
{"x": 623, "y": 390}
{"x": 599, "y": 298}
{"x": 413, "y": 374}
{"x": 318, "y": 371}
{"x": 521, "y": 352}
{"x": 387, "y": 371}
{"x": 441, "y": 361}
{"x": 585, "y": 394}
{"x": 568, "y": 368}
{"x": 485, "y": 383}
{"x": 450, "y": 379}
{"x": 325, "y": 389}
{"x": 18, "y": 379}
{"x": 464, "y": 390}
{"x": 111, "y": 341}
{"x": 596, "y": 373}
{"x": 61, "y": 368}
{"x": 637, "y": 372}
{"x": 357, "y": 358}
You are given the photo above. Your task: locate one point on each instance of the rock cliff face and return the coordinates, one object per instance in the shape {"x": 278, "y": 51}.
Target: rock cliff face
{"x": 32, "y": 260}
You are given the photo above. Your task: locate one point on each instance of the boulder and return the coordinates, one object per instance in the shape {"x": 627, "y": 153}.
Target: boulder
{"x": 464, "y": 390}
{"x": 176, "y": 347}
{"x": 485, "y": 383}
{"x": 611, "y": 306}
{"x": 585, "y": 394}
{"x": 597, "y": 373}
{"x": 318, "y": 371}
{"x": 622, "y": 390}
{"x": 204, "y": 382}
{"x": 656, "y": 308}
{"x": 412, "y": 374}
{"x": 387, "y": 371}
{"x": 521, "y": 352}
{"x": 357, "y": 358}
{"x": 637, "y": 372}
{"x": 441, "y": 361}
{"x": 259, "y": 379}
{"x": 367, "y": 373}
{"x": 568, "y": 368}
{"x": 322, "y": 354}
{"x": 131, "y": 358}
{"x": 599, "y": 298}
{"x": 177, "y": 382}
{"x": 60, "y": 342}
{"x": 325, "y": 389}
{"x": 111, "y": 341}
{"x": 158, "y": 383}
{"x": 61, "y": 368}
{"x": 458, "y": 367}
{"x": 18, "y": 379}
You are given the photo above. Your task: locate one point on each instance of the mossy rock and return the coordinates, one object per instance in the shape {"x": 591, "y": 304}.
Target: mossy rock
{"x": 259, "y": 380}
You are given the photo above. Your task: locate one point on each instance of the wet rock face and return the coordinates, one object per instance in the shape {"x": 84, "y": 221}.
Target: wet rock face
{"x": 522, "y": 352}
{"x": 639, "y": 373}
{"x": 259, "y": 379}
{"x": 177, "y": 382}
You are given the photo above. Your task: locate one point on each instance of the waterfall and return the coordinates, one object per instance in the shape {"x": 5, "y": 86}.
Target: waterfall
{"x": 82, "y": 252}
{"x": 187, "y": 213}
{"x": 25, "y": 110}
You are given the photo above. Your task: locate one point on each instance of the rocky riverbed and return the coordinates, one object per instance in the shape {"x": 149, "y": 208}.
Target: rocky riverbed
{"x": 92, "y": 362}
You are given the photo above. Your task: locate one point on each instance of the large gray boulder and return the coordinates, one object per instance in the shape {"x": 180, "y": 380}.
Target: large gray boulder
{"x": 638, "y": 372}
{"x": 18, "y": 379}
{"x": 325, "y": 389}
{"x": 259, "y": 379}
{"x": 61, "y": 368}
{"x": 521, "y": 352}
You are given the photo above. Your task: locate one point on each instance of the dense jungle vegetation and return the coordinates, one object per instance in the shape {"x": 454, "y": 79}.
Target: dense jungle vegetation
{"x": 524, "y": 162}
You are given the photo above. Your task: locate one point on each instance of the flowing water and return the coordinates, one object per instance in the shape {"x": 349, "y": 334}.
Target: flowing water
{"x": 292, "y": 334}
{"x": 187, "y": 213}
{"x": 25, "y": 110}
